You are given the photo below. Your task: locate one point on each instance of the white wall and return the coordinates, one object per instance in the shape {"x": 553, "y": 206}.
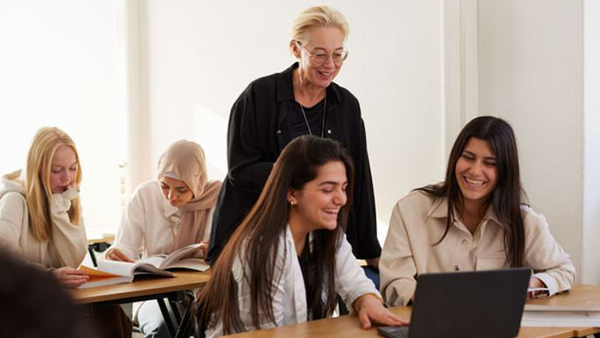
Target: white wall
{"x": 591, "y": 118}
{"x": 198, "y": 56}
{"x": 531, "y": 73}
{"x": 57, "y": 67}
{"x": 176, "y": 67}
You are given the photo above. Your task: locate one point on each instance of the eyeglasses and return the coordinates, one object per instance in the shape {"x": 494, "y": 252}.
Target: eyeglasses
{"x": 319, "y": 57}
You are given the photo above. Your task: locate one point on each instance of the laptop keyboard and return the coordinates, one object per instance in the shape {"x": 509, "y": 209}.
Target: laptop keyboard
{"x": 394, "y": 332}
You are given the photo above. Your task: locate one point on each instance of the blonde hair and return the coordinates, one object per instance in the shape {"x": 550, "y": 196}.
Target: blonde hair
{"x": 318, "y": 16}
{"x": 36, "y": 180}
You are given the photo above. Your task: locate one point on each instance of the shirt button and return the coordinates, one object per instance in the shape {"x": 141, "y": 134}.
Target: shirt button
{"x": 278, "y": 131}
{"x": 329, "y": 131}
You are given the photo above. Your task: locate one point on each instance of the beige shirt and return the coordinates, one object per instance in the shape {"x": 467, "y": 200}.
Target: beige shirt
{"x": 419, "y": 221}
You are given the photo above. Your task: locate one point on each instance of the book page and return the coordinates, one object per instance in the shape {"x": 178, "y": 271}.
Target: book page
{"x": 149, "y": 269}
{"x": 180, "y": 254}
{"x": 155, "y": 261}
{"x": 95, "y": 273}
{"x": 116, "y": 268}
{"x": 197, "y": 264}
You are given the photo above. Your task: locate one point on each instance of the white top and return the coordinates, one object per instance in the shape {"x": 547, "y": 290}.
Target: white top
{"x": 149, "y": 224}
{"x": 419, "y": 221}
{"x": 289, "y": 300}
{"x": 67, "y": 244}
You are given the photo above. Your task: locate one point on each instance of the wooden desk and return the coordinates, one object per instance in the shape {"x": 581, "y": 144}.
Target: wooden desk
{"x": 147, "y": 289}
{"x": 183, "y": 280}
{"x": 348, "y": 326}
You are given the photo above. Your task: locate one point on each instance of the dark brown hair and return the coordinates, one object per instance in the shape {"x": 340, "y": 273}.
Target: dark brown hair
{"x": 256, "y": 243}
{"x": 33, "y": 303}
{"x": 508, "y": 193}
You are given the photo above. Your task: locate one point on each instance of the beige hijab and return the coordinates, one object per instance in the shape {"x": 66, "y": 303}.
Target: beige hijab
{"x": 184, "y": 160}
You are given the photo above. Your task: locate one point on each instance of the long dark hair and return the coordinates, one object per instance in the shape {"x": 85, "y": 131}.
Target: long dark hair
{"x": 256, "y": 243}
{"x": 507, "y": 195}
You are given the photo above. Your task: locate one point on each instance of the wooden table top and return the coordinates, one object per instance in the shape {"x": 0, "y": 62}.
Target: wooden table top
{"x": 183, "y": 280}
{"x": 349, "y": 326}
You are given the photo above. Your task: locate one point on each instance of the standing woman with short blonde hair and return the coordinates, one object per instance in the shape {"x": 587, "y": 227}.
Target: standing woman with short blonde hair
{"x": 301, "y": 100}
{"x": 40, "y": 212}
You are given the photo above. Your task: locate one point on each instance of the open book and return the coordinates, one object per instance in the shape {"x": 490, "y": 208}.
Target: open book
{"x": 114, "y": 272}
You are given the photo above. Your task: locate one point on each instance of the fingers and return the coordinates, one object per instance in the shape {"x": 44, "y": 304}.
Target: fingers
{"x": 73, "y": 281}
{"x": 202, "y": 249}
{"x": 394, "y": 320}
{"x": 73, "y": 272}
{"x": 536, "y": 288}
{"x": 365, "y": 322}
{"x": 70, "y": 277}
{"x": 535, "y": 282}
{"x": 122, "y": 257}
{"x": 386, "y": 317}
{"x": 117, "y": 255}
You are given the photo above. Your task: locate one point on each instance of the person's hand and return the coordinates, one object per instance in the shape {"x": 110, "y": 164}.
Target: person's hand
{"x": 115, "y": 254}
{"x": 202, "y": 250}
{"x": 536, "y": 283}
{"x": 69, "y": 277}
{"x": 371, "y": 310}
{"x": 373, "y": 262}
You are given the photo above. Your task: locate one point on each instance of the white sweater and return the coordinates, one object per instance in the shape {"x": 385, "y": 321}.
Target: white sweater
{"x": 67, "y": 245}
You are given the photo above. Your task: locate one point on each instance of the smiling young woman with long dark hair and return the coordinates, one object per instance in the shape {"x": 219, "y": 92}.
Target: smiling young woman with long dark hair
{"x": 476, "y": 219}
{"x": 289, "y": 258}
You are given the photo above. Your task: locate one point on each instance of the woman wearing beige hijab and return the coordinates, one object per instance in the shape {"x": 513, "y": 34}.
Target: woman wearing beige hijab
{"x": 167, "y": 214}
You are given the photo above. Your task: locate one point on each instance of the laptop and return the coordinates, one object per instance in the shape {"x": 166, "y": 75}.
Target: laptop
{"x": 476, "y": 304}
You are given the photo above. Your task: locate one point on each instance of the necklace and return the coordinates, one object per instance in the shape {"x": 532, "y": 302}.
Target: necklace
{"x": 322, "y": 122}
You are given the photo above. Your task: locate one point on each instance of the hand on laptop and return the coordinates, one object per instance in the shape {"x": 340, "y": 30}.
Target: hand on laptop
{"x": 370, "y": 310}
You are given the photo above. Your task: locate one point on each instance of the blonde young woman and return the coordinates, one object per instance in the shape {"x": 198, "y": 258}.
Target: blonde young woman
{"x": 301, "y": 100}
{"x": 166, "y": 214}
{"x": 40, "y": 217}
{"x": 40, "y": 212}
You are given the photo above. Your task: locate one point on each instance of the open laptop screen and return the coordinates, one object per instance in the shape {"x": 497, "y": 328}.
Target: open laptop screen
{"x": 477, "y": 304}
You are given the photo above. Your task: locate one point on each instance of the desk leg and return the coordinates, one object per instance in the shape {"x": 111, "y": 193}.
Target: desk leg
{"x": 186, "y": 325}
{"x": 175, "y": 310}
{"x": 166, "y": 316}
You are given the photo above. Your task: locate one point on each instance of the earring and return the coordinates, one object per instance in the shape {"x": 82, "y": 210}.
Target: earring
{"x": 292, "y": 203}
